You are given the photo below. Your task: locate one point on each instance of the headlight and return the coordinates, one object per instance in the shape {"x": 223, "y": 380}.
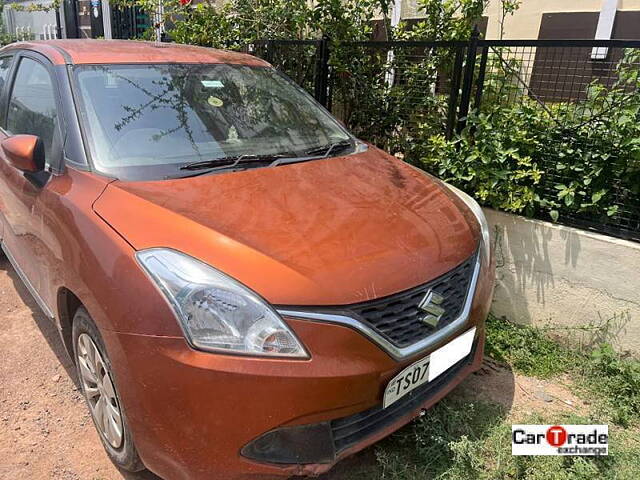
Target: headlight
{"x": 216, "y": 312}
{"x": 482, "y": 220}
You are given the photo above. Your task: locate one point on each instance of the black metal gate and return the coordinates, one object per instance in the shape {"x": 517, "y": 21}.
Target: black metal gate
{"x": 129, "y": 22}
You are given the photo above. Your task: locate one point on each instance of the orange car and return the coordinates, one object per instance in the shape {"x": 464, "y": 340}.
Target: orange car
{"x": 247, "y": 290}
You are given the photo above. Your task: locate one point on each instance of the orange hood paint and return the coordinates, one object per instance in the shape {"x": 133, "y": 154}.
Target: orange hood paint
{"x": 325, "y": 232}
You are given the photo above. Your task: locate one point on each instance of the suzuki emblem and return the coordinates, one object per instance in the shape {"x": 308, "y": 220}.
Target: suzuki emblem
{"x": 431, "y": 304}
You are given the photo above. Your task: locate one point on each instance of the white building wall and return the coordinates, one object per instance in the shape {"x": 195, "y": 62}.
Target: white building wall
{"x": 525, "y": 23}
{"x": 25, "y": 25}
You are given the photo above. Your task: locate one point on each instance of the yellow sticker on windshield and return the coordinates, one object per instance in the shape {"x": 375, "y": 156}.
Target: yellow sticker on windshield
{"x": 215, "y": 101}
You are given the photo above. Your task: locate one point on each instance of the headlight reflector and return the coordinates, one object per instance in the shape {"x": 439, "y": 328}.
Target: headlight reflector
{"x": 216, "y": 312}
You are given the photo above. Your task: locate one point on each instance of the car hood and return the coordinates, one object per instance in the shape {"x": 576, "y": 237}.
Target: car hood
{"x": 324, "y": 232}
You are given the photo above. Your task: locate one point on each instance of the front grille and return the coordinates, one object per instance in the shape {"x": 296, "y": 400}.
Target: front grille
{"x": 398, "y": 318}
{"x": 350, "y": 430}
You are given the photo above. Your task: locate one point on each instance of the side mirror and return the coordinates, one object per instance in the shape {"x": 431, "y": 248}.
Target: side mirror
{"x": 24, "y": 152}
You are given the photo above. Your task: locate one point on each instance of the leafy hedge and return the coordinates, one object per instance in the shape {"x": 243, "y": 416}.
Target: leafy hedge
{"x": 521, "y": 157}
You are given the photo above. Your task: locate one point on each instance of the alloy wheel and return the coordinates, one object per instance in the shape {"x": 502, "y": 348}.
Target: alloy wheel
{"x": 99, "y": 391}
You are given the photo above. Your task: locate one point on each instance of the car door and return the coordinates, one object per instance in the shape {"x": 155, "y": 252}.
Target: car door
{"x": 31, "y": 108}
{"x": 6, "y": 61}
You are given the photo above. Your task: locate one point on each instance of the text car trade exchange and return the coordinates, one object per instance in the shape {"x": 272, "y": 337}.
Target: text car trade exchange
{"x": 560, "y": 440}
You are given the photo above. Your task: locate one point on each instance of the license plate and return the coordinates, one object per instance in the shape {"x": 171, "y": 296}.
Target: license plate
{"x": 428, "y": 368}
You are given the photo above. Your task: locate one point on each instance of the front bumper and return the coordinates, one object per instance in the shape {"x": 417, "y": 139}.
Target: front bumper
{"x": 191, "y": 419}
{"x": 325, "y": 442}
{"x": 191, "y": 413}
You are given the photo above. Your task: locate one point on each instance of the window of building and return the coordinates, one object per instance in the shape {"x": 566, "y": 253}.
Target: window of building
{"x": 564, "y": 73}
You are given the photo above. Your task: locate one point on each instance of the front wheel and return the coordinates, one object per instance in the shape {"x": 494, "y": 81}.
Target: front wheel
{"x": 100, "y": 393}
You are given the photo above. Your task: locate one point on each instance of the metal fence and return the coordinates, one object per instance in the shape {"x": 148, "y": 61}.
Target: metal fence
{"x": 584, "y": 88}
{"x": 392, "y": 93}
{"x": 397, "y": 94}
{"x": 306, "y": 62}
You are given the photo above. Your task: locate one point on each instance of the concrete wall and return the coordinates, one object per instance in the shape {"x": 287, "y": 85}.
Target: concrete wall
{"x": 550, "y": 274}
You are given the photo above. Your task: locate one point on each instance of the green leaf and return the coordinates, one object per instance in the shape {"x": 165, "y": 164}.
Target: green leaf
{"x": 568, "y": 199}
{"x": 554, "y": 215}
{"x": 596, "y": 196}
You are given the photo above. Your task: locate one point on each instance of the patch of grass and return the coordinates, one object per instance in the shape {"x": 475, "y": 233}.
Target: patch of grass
{"x": 611, "y": 381}
{"x": 461, "y": 441}
{"x": 616, "y": 380}
{"x": 438, "y": 443}
{"x": 527, "y": 349}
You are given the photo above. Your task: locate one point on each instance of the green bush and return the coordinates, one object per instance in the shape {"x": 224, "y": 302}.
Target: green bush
{"x": 392, "y": 116}
{"x": 512, "y": 154}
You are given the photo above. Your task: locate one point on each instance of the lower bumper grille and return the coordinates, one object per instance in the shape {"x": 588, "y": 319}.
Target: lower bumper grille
{"x": 322, "y": 442}
{"x": 351, "y": 430}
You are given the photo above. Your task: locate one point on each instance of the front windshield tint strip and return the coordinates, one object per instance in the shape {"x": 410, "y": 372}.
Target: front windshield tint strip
{"x": 146, "y": 121}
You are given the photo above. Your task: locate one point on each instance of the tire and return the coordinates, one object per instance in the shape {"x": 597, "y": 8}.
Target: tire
{"x": 97, "y": 382}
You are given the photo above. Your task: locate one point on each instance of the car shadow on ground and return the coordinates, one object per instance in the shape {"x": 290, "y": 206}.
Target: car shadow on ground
{"x": 144, "y": 475}
{"x": 46, "y": 325}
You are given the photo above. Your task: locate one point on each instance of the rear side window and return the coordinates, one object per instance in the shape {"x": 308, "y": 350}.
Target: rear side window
{"x": 5, "y": 65}
{"x": 32, "y": 107}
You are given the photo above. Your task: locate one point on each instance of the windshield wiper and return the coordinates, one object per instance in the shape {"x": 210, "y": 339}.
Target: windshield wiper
{"x": 315, "y": 153}
{"x": 231, "y": 161}
{"x": 206, "y": 166}
{"x": 327, "y": 150}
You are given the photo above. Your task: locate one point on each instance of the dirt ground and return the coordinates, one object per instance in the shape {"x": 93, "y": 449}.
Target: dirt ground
{"x": 45, "y": 428}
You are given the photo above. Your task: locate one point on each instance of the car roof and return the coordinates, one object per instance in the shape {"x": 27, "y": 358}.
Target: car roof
{"x": 89, "y": 51}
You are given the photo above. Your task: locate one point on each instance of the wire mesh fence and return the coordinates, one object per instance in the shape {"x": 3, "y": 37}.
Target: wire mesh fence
{"x": 579, "y": 100}
{"x": 393, "y": 94}
{"x": 564, "y": 80}
{"x": 587, "y": 96}
{"x": 303, "y": 61}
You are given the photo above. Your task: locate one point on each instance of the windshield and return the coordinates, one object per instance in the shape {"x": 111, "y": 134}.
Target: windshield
{"x": 147, "y": 121}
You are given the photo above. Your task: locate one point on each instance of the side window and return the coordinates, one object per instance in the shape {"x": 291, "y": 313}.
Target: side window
{"x": 5, "y": 66}
{"x": 32, "y": 107}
